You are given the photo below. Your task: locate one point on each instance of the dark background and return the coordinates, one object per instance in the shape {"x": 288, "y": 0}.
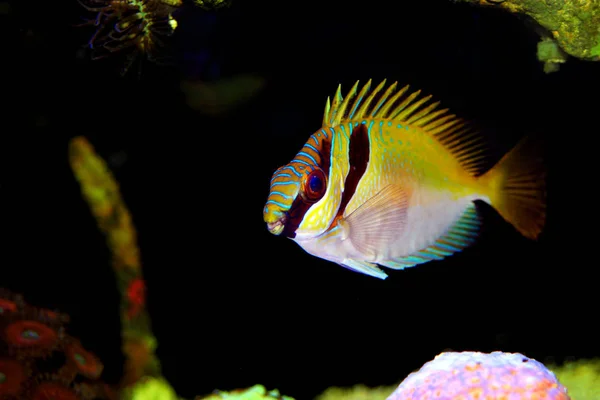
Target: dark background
{"x": 233, "y": 305}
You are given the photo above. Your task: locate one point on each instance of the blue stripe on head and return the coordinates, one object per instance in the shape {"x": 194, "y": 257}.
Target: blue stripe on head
{"x": 293, "y": 169}
{"x": 280, "y": 174}
{"x": 285, "y": 186}
{"x": 284, "y": 183}
{"x": 278, "y": 204}
{"x": 287, "y": 201}
{"x": 313, "y": 148}
{"x": 311, "y": 158}
{"x": 285, "y": 196}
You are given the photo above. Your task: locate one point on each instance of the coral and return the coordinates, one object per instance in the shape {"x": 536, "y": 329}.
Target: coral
{"x": 81, "y": 361}
{"x": 256, "y": 392}
{"x": 39, "y": 360}
{"x": 10, "y": 303}
{"x": 150, "y": 388}
{"x": 357, "y": 392}
{"x": 53, "y": 389}
{"x": 473, "y": 375}
{"x": 138, "y": 27}
{"x": 101, "y": 191}
{"x": 572, "y": 24}
{"x": 582, "y": 378}
{"x": 28, "y": 333}
{"x": 13, "y": 376}
{"x": 212, "y": 4}
{"x": 550, "y": 54}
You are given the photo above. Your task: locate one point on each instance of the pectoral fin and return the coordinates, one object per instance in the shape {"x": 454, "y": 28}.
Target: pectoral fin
{"x": 378, "y": 222}
{"x": 459, "y": 236}
{"x": 364, "y": 268}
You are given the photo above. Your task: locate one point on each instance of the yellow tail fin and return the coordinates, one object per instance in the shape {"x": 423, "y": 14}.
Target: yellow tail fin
{"x": 518, "y": 187}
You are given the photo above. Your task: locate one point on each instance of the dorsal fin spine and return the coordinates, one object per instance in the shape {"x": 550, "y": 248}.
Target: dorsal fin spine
{"x": 360, "y": 114}
{"x": 406, "y": 102}
{"x": 405, "y": 114}
{"x": 430, "y": 125}
{"x": 424, "y": 115}
{"x": 390, "y": 102}
{"x": 337, "y": 99}
{"x": 465, "y": 143}
{"x": 340, "y": 114}
{"x": 359, "y": 99}
{"x": 443, "y": 130}
{"x": 327, "y": 111}
{"x": 383, "y": 99}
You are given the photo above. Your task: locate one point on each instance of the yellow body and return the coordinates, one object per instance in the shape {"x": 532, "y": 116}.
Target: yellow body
{"x": 405, "y": 155}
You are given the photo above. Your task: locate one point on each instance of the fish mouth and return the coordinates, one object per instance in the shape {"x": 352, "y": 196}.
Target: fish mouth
{"x": 276, "y": 227}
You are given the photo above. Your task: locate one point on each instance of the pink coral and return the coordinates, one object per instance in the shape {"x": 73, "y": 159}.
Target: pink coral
{"x": 481, "y": 376}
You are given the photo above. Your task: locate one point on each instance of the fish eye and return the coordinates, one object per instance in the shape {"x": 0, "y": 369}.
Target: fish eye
{"x": 314, "y": 186}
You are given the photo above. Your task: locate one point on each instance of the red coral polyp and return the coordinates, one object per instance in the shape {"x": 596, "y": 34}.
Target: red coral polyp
{"x": 12, "y": 376}
{"x": 7, "y": 306}
{"x": 30, "y": 334}
{"x": 53, "y": 316}
{"x": 83, "y": 361}
{"x": 53, "y": 391}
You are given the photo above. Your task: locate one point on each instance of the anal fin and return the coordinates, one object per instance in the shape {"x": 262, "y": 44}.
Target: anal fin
{"x": 458, "y": 237}
{"x": 364, "y": 268}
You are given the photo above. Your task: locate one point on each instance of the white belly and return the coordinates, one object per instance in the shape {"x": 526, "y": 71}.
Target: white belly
{"x": 426, "y": 223}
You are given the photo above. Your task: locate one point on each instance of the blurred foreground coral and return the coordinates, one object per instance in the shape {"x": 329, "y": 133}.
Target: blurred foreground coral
{"x": 357, "y": 392}
{"x": 39, "y": 360}
{"x": 256, "y": 392}
{"x": 581, "y": 377}
{"x": 222, "y": 95}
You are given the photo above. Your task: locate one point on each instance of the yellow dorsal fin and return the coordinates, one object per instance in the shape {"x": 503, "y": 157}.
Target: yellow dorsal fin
{"x": 339, "y": 115}
{"x": 385, "y": 107}
{"x": 361, "y": 113}
{"x": 464, "y": 142}
{"x": 335, "y": 105}
{"x": 326, "y": 113}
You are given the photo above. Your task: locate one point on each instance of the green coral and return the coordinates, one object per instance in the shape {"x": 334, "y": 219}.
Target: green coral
{"x": 595, "y": 51}
{"x": 149, "y": 388}
{"x": 573, "y": 24}
{"x": 357, "y": 392}
{"x": 212, "y": 4}
{"x": 550, "y": 54}
{"x": 582, "y": 379}
{"x": 256, "y": 392}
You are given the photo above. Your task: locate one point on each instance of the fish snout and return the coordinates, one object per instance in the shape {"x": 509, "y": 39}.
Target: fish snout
{"x": 277, "y": 227}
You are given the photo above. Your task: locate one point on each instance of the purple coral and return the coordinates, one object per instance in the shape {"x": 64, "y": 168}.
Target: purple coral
{"x": 481, "y": 376}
